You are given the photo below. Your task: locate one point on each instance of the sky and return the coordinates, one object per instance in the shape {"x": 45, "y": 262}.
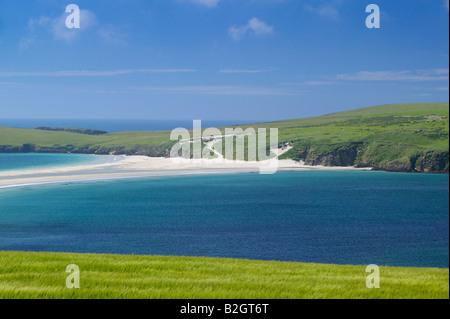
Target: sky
{"x": 248, "y": 60}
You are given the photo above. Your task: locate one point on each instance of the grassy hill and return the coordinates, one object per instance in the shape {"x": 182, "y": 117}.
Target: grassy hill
{"x": 401, "y": 137}
{"x": 405, "y": 137}
{"x": 42, "y": 275}
{"x": 14, "y": 140}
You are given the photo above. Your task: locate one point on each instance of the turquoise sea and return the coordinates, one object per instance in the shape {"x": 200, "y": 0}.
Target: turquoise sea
{"x": 10, "y": 162}
{"x": 342, "y": 217}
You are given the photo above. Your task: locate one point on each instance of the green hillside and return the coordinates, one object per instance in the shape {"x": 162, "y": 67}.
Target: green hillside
{"x": 405, "y": 137}
{"x": 42, "y": 275}
{"x": 401, "y": 137}
{"x": 13, "y": 140}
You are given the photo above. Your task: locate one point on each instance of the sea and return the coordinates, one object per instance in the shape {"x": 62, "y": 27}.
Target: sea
{"x": 112, "y": 126}
{"x": 14, "y": 162}
{"x": 335, "y": 217}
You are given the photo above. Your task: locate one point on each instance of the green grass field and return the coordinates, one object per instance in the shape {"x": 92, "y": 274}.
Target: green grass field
{"x": 42, "y": 275}
{"x": 18, "y": 136}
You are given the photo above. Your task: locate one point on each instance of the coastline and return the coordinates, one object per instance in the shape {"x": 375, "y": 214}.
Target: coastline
{"x": 142, "y": 166}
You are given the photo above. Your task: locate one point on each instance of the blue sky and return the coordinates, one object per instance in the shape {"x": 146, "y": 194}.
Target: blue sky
{"x": 218, "y": 59}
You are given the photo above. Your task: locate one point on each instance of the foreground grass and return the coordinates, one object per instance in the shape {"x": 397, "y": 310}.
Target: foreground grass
{"x": 42, "y": 275}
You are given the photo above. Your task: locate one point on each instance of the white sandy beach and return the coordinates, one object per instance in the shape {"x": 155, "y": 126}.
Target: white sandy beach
{"x": 142, "y": 166}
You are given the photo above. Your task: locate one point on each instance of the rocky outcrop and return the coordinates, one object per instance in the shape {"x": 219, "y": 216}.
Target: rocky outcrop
{"x": 427, "y": 162}
{"x": 358, "y": 155}
{"x": 393, "y": 166}
{"x": 432, "y": 162}
{"x": 341, "y": 156}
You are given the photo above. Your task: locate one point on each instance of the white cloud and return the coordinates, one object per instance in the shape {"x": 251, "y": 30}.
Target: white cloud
{"x": 38, "y": 22}
{"x": 446, "y": 4}
{"x": 445, "y": 88}
{"x": 220, "y": 90}
{"x": 254, "y": 26}
{"x": 242, "y": 71}
{"x": 57, "y": 26}
{"x": 319, "y": 83}
{"x": 59, "y": 29}
{"x": 9, "y": 83}
{"x": 207, "y": 3}
{"x": 25, "y": 43}
{"x": 92, "y": 73}
{"x": 325, "y": 11}
{"x": 111, "y": 34}
{"x": 419, "y": 75}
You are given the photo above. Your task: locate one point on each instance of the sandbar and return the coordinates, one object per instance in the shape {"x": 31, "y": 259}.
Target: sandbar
{"x": 143, "y": 166}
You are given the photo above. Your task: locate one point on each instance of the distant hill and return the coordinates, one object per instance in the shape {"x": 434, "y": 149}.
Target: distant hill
{"x": 399, "y": 138}
{"x": 71, "y": 130}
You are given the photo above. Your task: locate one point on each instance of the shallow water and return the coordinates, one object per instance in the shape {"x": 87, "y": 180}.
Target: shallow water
{"x": 312, "y": 216}
{"x": 10, "y": 162}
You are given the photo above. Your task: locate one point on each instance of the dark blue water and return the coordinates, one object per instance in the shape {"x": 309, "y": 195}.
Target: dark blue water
{"x": 324, "y": 217}
{"x": 117, "y": 125}
{"x": 34, "y": 161}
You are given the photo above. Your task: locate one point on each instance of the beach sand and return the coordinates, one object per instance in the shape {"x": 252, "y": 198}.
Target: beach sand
{"x": 142, "y": 166}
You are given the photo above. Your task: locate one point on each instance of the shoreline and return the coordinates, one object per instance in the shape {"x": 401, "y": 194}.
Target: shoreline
{"x": 142, "y": 166}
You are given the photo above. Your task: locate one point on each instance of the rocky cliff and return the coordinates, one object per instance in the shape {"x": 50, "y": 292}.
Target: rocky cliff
{"x": 368, "y": 155}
